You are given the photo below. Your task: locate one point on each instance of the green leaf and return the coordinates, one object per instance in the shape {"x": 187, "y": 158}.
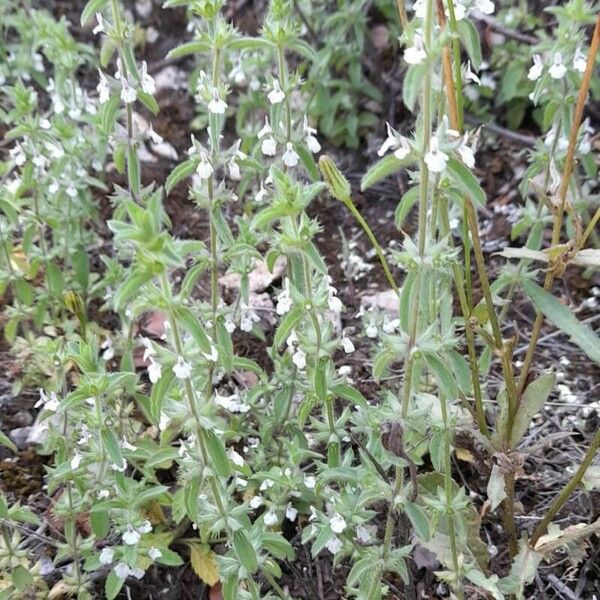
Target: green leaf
{"x": 534, "y": 397}
{"x": 465, "y": 181}
{"x": 407, "y": 201}
{"x": 250, "y": 43}
{"x": 179, "y": 173}
{"x": 192, "y": 325}
{"x": 412, "y": 85}
{"x": 216, "y": 451}
{"x": 195, "y": 47}
{"x": 21, "y": 577}
{"x": 133, "y": 171}
{"x": 285, "y": 327}
{"x": 245, "y": 551}
{"x": 418, "y": 520}
{"x": 90, "y": 9}
{"x": 384, "y": 168}
{"x": 6, "y": 441}
{"x": 149, "y": 102}
{"x": 100, "y": 523}
{"x": 113, "y": 585}
{"x": 111, "y": 444}
{"x": 347, "y": 392}
{"x": 496, "y": 489}
{"x": 564, "y": 319}
{"x": 470, "y": 39}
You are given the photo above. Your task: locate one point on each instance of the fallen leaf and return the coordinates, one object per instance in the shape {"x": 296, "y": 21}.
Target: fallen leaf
{"x": 204, "y": 564}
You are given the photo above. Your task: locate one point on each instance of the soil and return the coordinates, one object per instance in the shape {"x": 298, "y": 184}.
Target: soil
{"x": 556, "y": 443}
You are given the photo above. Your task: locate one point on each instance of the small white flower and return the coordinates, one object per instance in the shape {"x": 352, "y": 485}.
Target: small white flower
{"x": 146, "y": 80}
{"x": 536, "y": 70}
{"x": 284, "y": 299}
{"x": 213, "y": 355}
{"x": 131, "y": 537}
{"x": 337, "y": 523}
{"x": 50, "y": 404}
{"x": 270, "y": 517}
{"x": 579, "y": 61}
{"x": 290, "y": 156}
{"x": 435, "y": 159}
{"x": 310, "y": 482}
{"x": 145, "y": 527}
{"x": 290, "y": 512}
{"x": 558, "y": 69}
{"x": 154, "y": 371}
{"x": 45, "y": 123}
{"x": 363, "y": 534}
{"x": 415, "y": 54}
{"x": 103, "y": 493}
{"x": 299, "y": 359}
{"x": 182, "y": 369}
{"x": 75, "y": 461}
{"x": 256, "y": 502}
{"x": 204, "y": 169}
{"x": 334, "y": 545}
{"x": 466, "y": 153}
{"x": 100, "y": 27}
{"x": 236, "y": 458}
{"x": 149, "y": 350}
{"x": 154, "y": 553}
{"x": 396, "y": 142}
{"x": 276, "y": 95}
{"x": 333, "y": 302}
{"x": 106, "y": 556}
{"x": 216, "y": 105}
{"x": 122, "y": 570}
{"x": 103, "y": 88}
{"x": 109, "y": 351}
{"x": 266, "y": 484}
{"x": 311, "y": 141}
{"x": 269, "y": 146}
{"x": 470, "y": 75}
{"x": 128, "y": 93}
{"x": 248, "y": 318}
{"x": 390, "y": 326}
{"x": 154, "y": 137}
{"x": 371, "y": 331}
{"x": 347, "y": 344}
{"x": 485, "y": 6}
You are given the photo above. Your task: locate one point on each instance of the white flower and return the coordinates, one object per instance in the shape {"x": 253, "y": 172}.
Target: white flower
{"x": 236, "y": 458}
{"x": 269, "y": 146}
{"x": 466, "y": 153}
{"x": 154, "y": 371}
{"x": 284, "y": 299}
{"x": 333, "y": 302}
{"x": 415, "y": 54}
{"x": 535, "y": 71}
{"x": 216, "y": 105}
{"x": 347, "y": 344}
{"x": 100, "y": 27}
{"x": 337, "y": 523}
{"x": 182, "y": 369}
{"x": 76, "y": 461}
{"x": 311, "y": 141}
{"x": 122, "y": 570}
{"x": 106, "y": 556}
{"x": 299, "y": 359}
{"x": 371, "y": 331}
{"x": 131, "y": 537}
{"x": 558, "y": 69}
{"x": 149, "y": 350}
{"x": 390, "y": 326}
{"x": 256, "y": 502}
{"x": 266, "y": 484}
{"x": 155, "y": 137}
{"x": 213, "y": 355}
{"x": 334, "y": 545}
{"x": 145, "y": 527}
{"x": 290, "y": 156}
{"x": 396, "y": 142}
{"x": 104, "y": 493}
{"x": 50, "y": 404}
{"x": 363, "y": 534}
{"x": 276, "y": 95}
{"x": 103, "y": 88}
{"x": 154, "y": 553}
{"x": 45, "y": 123}
{"x": 270, "y": 517}
{"x": 204, "y": 169}
{"x": 128, "y": 93}
{"x": 109, "y": 352}
{"x": 248, "y": 318}
{"x": 470, "y": 75}
{"x": 290, "y": 512}
{"x": 435, "y": 159}
{"x": 146, "y": 80}
{"x": 485, "y": 6}
{"x": 310, "y": 482}
{"x": 164, "y": 421}
{"x": 579, "y": 61}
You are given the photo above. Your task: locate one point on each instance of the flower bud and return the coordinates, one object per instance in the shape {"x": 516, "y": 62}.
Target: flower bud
{"x": 336, "y": 182}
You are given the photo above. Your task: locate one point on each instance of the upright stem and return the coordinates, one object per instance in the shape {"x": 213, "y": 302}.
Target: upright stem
{"x": 564, "y": 188}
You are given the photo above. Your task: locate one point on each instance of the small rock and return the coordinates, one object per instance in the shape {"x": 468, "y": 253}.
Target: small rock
{"x": 144, "y": 8}
{"x": 165, "y": 150}
{"x": 170, "y": 78}
{"x": 19, "y": 436}
{"x": 22, "y": 418}
{"x": 387, "y": 300}
{"x": 259, "y": 279}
